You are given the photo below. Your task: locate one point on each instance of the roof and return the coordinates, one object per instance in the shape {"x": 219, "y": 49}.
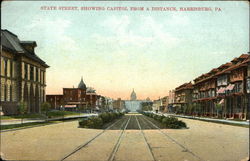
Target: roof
{"x": 10, "y": 41}
{"x": 184, "y": 86}
{"x": 224, "y": 68}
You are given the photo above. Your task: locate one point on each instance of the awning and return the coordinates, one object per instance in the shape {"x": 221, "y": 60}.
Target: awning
{"x": 221, "y": 90}
{"x": 221, "y": 101}
{"x": 70, "y": 106}
{"x": 230, "y": 87}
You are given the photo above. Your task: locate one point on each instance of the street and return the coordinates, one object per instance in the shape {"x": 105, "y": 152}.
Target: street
{"x": 133, "y": 137}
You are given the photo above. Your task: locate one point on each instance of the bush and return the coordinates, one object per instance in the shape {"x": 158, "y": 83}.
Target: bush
{"x": 169, "y": 122}
{"x": 92, "y": 122}
{"x": 97, "y": 122}
{"x": 105, "y": 117}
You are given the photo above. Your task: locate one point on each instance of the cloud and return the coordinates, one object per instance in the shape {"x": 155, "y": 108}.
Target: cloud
{"x": 54, "y": 33}
{"x": 140, "y": 33}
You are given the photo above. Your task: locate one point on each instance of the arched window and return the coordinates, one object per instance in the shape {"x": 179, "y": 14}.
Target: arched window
{"x": 11, "y": 92}
{"x": 5, "y": 92}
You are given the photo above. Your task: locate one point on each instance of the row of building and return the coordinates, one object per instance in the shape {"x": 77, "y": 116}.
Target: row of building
{"x": 223, "y": 92}
{"x": 81, "y": 98}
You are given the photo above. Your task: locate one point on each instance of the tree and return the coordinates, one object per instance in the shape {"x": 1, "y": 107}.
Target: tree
{"x": 22, "y": 109}
{"x": 146, "y": 106}
{"x": 45, "y": 107}
{"x": 218, "y": 109}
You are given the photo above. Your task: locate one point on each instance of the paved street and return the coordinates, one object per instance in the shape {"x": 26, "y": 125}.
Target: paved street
{"x": 133, "y": 137}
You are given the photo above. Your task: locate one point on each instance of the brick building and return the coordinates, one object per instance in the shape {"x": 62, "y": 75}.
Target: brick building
{"x": 23, "y": 74}
{"x": 75, "y": 99}
{"x": 223, "y": 91}
{"x": 56, "y": 101}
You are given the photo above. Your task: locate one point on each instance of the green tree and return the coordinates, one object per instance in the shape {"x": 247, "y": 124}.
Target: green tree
{"x": 22, "y": 109}
{"x": 45, "y": 107}
{"x": 218, "y": 108}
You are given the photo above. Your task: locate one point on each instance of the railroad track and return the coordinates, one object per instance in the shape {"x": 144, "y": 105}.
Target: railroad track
{"x": 145, "y": 139}
{"x": 117, "y": 145}
{"x": 89, "y": 141}
{"x": 172, "y": 139}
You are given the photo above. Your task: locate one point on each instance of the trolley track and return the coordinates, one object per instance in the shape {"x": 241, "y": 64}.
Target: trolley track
{"x": 117, "y": 145}
{"x": 172, "y": 139}
{"x": 92, "y": 139}
{"x": 146, "y": 141}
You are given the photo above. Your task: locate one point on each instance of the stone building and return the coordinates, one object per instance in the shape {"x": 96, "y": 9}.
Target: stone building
{"x": 23, "y": 74}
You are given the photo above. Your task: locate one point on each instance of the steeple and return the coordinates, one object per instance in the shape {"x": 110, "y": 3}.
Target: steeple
{"x": 82, "y": 85}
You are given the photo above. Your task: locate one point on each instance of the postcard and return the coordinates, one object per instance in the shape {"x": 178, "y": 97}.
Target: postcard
{"x": 125, "y": 80}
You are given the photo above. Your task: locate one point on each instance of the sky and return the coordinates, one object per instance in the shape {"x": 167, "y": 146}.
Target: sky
{"x": 116, "y": 51}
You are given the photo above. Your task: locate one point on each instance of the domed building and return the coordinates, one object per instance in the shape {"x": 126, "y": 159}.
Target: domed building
{"x": 133, "y": 96}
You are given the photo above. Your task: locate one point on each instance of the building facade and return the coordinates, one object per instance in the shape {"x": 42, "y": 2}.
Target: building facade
{"x": 183, "y": 97}
{"x": 118, "y": 104}
{"x": 23, "y": 75}
{"x": 81, "y": 98}
{"x": 56, "y": 101}
{"x": 222, "y": 92}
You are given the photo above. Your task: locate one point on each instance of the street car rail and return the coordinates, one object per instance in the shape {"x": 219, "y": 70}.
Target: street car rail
{"x": 169, "y": 137}
{"x": 145, "y": 139}
{"x": 89, "y": 141}
{"x": 117, "y": 145}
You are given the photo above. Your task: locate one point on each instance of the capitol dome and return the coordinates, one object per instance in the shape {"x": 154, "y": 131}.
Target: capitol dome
{"x": 133, "y": 96}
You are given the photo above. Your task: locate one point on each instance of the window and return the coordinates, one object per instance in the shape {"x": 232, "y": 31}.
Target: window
{"x": 5, "y": 92}
{"x": 248, "y": 85}
{"x": 31, "y": 73}
{"x": 5, "y": 66}
{"x": 10, "y": 92}
{"x": 36, "y": 74}
{"x": 11, "y": 69}
{"x": 26, "y": 71}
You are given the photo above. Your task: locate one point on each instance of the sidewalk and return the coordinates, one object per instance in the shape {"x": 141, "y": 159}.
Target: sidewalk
{"x": 33, "y": 120}
{"x": 210, "y": 119}
{"x": 207, "y": 119}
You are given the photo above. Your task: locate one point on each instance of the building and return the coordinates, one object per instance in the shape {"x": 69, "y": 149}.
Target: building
{"x": 157, "y": 104}
{"x": 183, "y": 97}
{"x": 23, "y": 75}
{"x": 75, "y": 98}
{"x": 56, "y": 101}
{"x": 171, "y": 101}
{"x": 92, "y": 99}
{"x": 133, "y": 96}
{"x": 165, "y": 101}
{"x": 81, "y": 98}
{"x": 118, "y": 104}
{"x": 222, "y": 92}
